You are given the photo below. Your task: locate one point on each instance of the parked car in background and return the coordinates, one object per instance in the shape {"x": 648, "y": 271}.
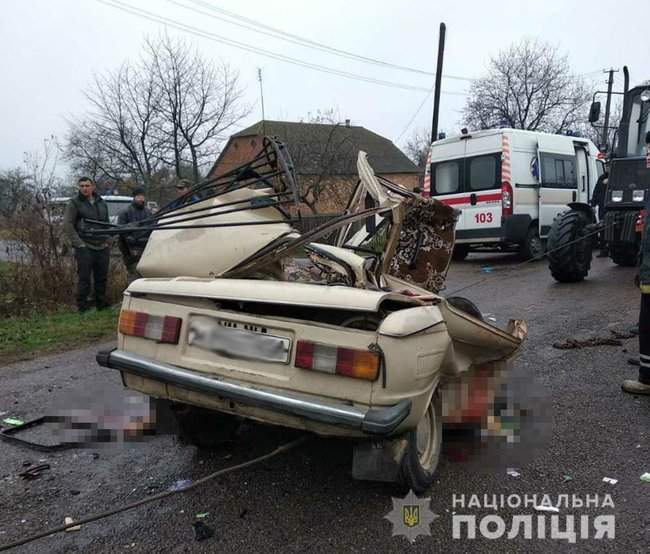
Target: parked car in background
{"x": 115, "y": 204}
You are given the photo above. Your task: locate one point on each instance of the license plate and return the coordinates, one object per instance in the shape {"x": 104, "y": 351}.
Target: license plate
{"x": 237, "y": 340}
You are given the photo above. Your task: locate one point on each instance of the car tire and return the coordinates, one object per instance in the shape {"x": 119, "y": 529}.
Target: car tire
{"x": 422, "y": 454}
{"x": 532, "y": 247}
{"x": 204, "y": 428}
{"x": 624, "y": 254}
{"x": 569, "y": 258}
{"x": 460, "y": 252}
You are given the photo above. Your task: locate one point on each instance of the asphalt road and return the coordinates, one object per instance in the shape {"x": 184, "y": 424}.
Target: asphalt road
{"x": 584, "y": 428}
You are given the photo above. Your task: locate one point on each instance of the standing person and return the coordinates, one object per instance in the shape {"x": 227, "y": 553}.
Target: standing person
{"x": 642, "y": 384}
{"x": 598, "y": 199}
{"x": 183, "y": 186}
{"x": 132, "y": 244}
{"x": 92, "y": 253}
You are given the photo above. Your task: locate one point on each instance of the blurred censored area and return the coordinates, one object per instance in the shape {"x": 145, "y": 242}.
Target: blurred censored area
{"x": 79, "y": 420}
{"x": 492, "y": 401}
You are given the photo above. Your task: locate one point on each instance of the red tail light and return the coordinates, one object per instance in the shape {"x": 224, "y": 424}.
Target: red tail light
{"x": 350, "y": 362}
{"x": 507, "y": 201}
{"x": 640, "y": 221}
{"x": 164, "y": 328}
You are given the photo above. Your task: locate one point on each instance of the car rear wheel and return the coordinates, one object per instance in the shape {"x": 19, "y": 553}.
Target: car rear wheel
{"x": 204, "y": 428}
{"x": 460, "y": 252}
{"x": 423, "y": 450}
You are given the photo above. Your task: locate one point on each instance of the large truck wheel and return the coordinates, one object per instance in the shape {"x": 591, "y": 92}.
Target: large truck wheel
{"x": 460, "y": 252}
{"x": 569, "y": 257}
{"x": 624, "y": 254}
{"x": 423, "y": 450}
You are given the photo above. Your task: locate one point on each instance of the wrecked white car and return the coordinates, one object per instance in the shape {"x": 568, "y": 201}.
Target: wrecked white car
{"x": 351, "y": 341}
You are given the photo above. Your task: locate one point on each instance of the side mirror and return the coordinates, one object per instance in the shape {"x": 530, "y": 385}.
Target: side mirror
{"x": 647, "y": 137}
{"x": 594, "y": 112}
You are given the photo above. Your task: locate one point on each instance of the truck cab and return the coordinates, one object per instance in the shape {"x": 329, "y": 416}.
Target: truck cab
{"x": 629, "y": 179}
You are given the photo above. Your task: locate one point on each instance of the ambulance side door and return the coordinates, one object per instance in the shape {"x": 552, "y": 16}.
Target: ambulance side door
{"x": 558, "y": 179}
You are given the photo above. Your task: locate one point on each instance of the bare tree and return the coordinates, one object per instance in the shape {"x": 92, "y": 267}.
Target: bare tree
{"x": 528, "y": 86}
{"x": 417, "y": 147}
{"x": 170, "y": 110}
{"x": 324, "y": 152}
{"x": 595, "y": 133}
{"x": 201, "y": 102}
{"x": 119, "y": 137}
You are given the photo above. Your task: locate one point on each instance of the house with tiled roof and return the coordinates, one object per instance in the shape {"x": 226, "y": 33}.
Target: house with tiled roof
{"x": 324, "y": 157}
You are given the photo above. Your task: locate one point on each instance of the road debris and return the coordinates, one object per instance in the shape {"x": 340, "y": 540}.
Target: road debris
{"x": 645, "y": 477}
{"x": 34, "y": 472}
{"x": 180, "y": 484}
{"x": 615, "y": 339}
{"x": 202, "y": 515}
{"x": 513, "y": 472}
{"x": 567, "y": 478}
{"x": 14, "y": 421}
{"x": 487, "y": 269}
{"x": 610, "y": 480}
{"x": 69, "y": 521}
{"x": 202, "y": 531}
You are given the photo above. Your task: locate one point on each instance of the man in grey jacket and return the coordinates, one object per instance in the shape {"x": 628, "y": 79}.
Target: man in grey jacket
{"x": 92, "y": 253}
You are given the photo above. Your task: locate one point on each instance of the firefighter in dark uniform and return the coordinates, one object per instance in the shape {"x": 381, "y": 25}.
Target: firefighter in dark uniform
{"x": 642, "y": 384}
{"x": 92, "y": 253}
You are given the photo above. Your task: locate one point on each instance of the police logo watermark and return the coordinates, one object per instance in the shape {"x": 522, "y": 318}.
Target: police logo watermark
{"x": 411, "y": 516}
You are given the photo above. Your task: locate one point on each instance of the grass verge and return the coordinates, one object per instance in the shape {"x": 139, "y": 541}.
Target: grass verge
{"x": 24, "y": 337}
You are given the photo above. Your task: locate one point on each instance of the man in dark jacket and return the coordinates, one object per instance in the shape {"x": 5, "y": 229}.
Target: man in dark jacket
{"x": 642, "y": 384}
{"x": 132, "y": 244}
{"x": 598, "y": 199}
{"x": 183, "y": 187}
{"x": 92, "y": 253}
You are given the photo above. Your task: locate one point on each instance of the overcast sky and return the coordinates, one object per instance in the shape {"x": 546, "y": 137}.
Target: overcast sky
{"x": 51, "y": 48}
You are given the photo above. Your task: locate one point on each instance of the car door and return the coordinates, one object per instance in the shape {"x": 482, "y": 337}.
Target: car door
{"x": 483, "y": 183}
{"x": 583, "y": 173}
{"x": 558, "y": 179}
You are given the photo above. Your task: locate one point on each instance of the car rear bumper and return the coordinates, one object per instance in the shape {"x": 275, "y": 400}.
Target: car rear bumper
{"x": 374, "y": 421}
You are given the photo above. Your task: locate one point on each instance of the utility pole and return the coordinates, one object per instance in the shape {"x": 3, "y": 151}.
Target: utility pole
{"x": 436, "y": 93}
{"x": 259, "y": 78}
{"x": 610, "y": 83}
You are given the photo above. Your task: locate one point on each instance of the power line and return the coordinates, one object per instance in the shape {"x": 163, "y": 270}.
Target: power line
{"x": 408, "y": 125}
{"x": 262, "y": 28}
{"x": 150, "y": 16}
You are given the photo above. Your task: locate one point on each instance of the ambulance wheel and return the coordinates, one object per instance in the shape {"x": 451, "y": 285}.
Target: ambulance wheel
{"x": 422, "y": 453}
{"x": 532, "y": 247}
{"x": 204, "y": 428}
{"x": 624, "y": 254}
{"x": 569, "y": 250}
{"x": 460, "y": 252}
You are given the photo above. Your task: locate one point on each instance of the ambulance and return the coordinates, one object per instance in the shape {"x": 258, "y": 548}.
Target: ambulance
{"x": 509, "y": 185}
